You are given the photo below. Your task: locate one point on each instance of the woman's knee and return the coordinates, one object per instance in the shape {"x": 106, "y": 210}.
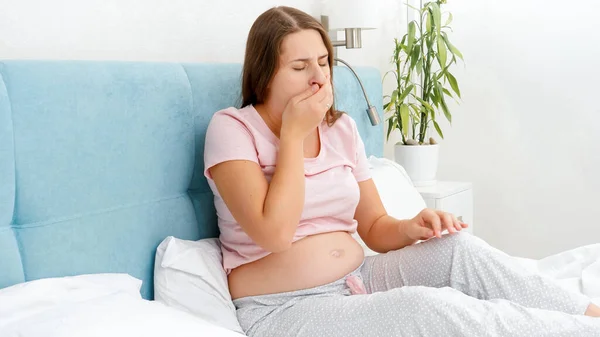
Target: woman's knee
{"x": 419, "y": 298}
{"x": 463, "y": 239}
{"x": 417, "y": 303}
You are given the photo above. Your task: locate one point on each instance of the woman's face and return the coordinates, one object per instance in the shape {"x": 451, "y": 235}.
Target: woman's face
{"x": 303, "y": 62}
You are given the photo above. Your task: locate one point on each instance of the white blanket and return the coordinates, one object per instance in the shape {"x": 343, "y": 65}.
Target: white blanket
{"x": 94, "y": 306}
{"x": 88, "y": 309}
{"x": 577, "y": 269}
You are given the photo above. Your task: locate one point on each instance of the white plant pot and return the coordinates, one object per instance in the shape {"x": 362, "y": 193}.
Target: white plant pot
{"x": 419, "y": 161}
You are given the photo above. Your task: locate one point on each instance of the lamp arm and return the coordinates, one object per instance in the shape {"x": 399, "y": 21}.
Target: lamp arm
{"x": 371, "y": 110}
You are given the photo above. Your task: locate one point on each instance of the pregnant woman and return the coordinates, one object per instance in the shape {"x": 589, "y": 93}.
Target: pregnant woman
{"x": 291, "y": 183}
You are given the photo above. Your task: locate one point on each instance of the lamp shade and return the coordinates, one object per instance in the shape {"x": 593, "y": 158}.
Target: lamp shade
{"x": 350, "y": 14}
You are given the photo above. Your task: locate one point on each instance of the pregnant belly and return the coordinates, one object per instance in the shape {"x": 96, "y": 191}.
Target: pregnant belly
{"x": 310, "y": 262}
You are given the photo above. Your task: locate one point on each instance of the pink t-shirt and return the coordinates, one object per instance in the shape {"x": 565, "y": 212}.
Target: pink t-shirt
{"x": 331, "y": 188}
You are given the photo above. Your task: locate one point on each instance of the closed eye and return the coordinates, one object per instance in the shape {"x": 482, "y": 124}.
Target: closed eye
{"x": 321, "y": 65}
{"x": 320, "y": 58}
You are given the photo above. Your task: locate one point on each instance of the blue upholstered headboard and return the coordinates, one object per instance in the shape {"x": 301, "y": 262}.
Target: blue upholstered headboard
{"x": 100, "y": 161}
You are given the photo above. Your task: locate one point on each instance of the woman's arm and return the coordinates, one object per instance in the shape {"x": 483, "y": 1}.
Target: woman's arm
{"x": 270, "y": 212}
{"x": 378, "y": 230}
{"x": 257, "y": 205}
{"x": 383, "y": 233}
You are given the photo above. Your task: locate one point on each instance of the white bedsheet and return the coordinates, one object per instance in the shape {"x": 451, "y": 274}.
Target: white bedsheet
{"x": 121, "y": 314}
{"x": 94, "y": 306}
{"x": 577, "y": 269}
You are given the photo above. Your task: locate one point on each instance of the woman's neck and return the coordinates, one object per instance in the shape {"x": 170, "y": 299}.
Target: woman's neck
{"x": 272, "y": 119}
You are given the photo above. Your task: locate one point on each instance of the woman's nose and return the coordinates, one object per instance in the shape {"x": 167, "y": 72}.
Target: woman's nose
{"x": 319, "y": 77}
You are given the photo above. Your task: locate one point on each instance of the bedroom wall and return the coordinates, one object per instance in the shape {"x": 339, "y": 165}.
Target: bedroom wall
{"x": 528, "y": 130}
{"x": 150, "y": 30}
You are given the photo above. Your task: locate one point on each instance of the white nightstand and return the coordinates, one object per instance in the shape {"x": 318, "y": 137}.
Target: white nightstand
{"x": 453, "y": 197}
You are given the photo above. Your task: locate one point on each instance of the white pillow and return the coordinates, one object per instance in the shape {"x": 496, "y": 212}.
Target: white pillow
{"x": 189, "y": 275}
{"x": 117, "y": 314}
{"x": 399, "y": 196}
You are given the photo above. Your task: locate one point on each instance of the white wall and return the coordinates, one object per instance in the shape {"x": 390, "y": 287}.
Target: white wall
{"x": 148, "y": 30}
{"x": 526, "y": 132}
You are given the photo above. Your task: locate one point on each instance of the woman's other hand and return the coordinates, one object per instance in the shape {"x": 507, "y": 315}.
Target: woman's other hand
{"x": 429, "y": 223}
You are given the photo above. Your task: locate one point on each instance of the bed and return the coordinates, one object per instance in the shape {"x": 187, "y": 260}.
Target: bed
{"x": 101, "y": 162}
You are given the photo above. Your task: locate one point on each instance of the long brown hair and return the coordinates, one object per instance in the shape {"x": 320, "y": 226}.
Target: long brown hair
{"x": 263, "y": 49}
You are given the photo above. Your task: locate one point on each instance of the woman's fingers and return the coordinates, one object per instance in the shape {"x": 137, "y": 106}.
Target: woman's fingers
{"x": 424, "y": 233}
{"x": 447, "y": 221}
{"x": 438, "y": 221}
{"x": 450, "y": 222}
{"x": 434, "y": 221}
{"x": 456, "y": 223}
{"x": 327, "y": 100}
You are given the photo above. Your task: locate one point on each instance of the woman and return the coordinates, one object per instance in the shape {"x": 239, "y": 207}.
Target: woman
{"x": 291, "y": 182}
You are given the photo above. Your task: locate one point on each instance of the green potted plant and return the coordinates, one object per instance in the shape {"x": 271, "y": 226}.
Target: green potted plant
{"x": 423, "y": 82}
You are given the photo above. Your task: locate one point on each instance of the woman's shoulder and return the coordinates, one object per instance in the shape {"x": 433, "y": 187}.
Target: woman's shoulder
{"x": 232, "y": 118}
{"x": 231, "y": 113}
{"x": 344, "y": 126}
{"x": 229, "y": 124}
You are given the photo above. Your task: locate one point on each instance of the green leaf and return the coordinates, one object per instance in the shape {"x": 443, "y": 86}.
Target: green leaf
{"x": 435, "y": 92}
{"x": 425, "y": 104}
{"x": 419, "y": 66}
{"x": 404, "y": 48}
{"x": 404, "y": 114}
{"x": 400, "y": 46}
{"x": 437, "y": 87}
{"x": 440, "y": 74}
{"x": 406, "y": 92}
{"x": 449, "y": 19}
{"x": 447, "y": 92}
{"x": 432, "y": 114}
{"x": 428, "y": 20}
{"x": 453, "y": 59}
{"x": 453, "y": 84}
{"x": 446, "y": 111}
{"x": 414, "y": 115}
{"x": 437, "y": 128}
{"x": 441, "y": 49}
{"x": 416, "y": 111}
{"x": 415, "y": 56}
{"x": 392, "y": 102}
{"x": 452, "y": 48}
{"x": 434, "y": 99}
{"x": 390, "y": 128}
{"x": 416, "y": 118}
{"x": 411, "y": 35}
{"x": 437, "y": 16}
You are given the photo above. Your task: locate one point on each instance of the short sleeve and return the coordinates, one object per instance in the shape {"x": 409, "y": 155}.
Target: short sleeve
{"x": 362, "y": 170}
{"x": 227, "y": 138}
